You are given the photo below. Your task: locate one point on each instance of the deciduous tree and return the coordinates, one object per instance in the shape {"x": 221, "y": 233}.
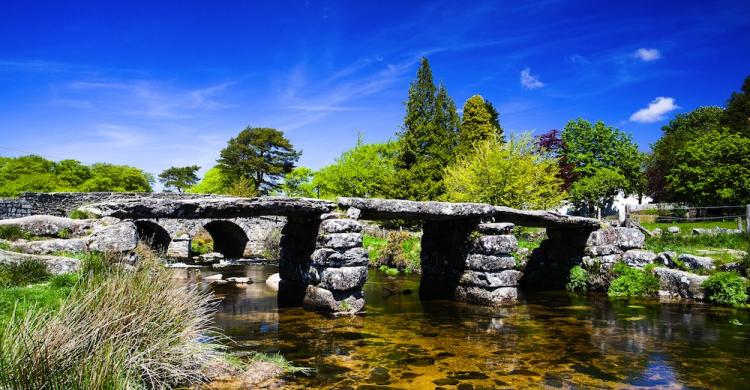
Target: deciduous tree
{"x": 179, "y": 178}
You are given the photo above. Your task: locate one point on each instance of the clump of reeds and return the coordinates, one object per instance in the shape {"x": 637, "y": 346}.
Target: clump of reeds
{"x": 131, "y": 328}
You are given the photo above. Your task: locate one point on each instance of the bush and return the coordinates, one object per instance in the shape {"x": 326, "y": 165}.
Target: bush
{"x": 13, "y": 233}
{"x": 78, "y": 214}
{"x": 725, "y": 288}
{"x": 128, "y": 330}
{"x": 23, "y": 273}
{"x": 61, "y": 281}
{"x": 401, "y": 251}
{"x": 577, "y": 280}
{"x": 272, "y": 245}
{"x": 632, "y": 283}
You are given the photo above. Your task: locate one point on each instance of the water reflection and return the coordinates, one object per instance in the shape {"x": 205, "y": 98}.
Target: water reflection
{"x": 551, "y": 339}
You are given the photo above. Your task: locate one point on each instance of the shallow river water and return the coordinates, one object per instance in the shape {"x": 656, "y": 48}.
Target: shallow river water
{"x": 547, "y": 340}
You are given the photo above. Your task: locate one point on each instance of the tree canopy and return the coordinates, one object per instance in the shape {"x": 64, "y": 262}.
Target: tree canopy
{"x": 179, "y": 178}
{"x": 476, "y": 125}
{"x": 299, "y": 182}
{"x": 260, "y": 155}
{"x": 511, "y": 174}
{"x": 213, "y": 182}
{"x": 366, "y": 170}
{"x": 736, "y": 118}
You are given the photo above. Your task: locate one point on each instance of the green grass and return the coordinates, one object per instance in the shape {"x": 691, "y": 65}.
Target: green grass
{"x": 13, "y": 233}
{"x": 632, "y": 283}
{"x": 530, "y": 245}
{"x": 687, "y": 227}
{"x": 381, "y": 252}
{"x": 280, "y": 361}
{"x": 23, "y": 273}
{"x": 693, "y": 244}
{"x": 40, "y": 297}
{"x": 373, "y": 246}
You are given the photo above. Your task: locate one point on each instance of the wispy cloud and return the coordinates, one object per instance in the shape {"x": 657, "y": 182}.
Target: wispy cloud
{"x": 530, "y": 81}
{"x": 655, "y": 110}
{"x": 647, "y": 55}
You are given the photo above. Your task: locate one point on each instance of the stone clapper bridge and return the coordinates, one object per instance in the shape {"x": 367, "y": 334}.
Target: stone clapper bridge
{"x": 468, "y": 252}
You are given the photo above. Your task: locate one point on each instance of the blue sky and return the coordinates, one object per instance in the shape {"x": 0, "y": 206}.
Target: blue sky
{"x": 155, "y": 85}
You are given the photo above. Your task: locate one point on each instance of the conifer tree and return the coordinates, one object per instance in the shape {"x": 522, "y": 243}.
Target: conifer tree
{"x": 476, "y": 125}
{"x": 495, "y": 119}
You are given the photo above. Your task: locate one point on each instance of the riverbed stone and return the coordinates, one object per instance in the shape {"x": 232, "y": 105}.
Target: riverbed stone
{"x": 321, "y": 299}
{"x": 489, "y": 263}
{"x": 491, "y": 280}
{"x": 340, "y": 226}
{"x": 179, "y": 247}
{"x": 49, "y": 226}
{"x": 697, "y": 262}
{"x": 43, "y": 247}
{"x": 340, "y": 240}
{"x": 120, "y": 237}
{"x": 343, "y": 278}
{"x": 482, "y": 296}
{"x": 638, "y": 258}
{"x": 679, "y": 284}
{"x": 494, "y": 245}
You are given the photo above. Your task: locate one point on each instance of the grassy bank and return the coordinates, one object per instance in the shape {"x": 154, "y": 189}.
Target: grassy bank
{"x": 698, "y": 245}
{"x": 397, "y": 253}
{"x": 687, "y": 227}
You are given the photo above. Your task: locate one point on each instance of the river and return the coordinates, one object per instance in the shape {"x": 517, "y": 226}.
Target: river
{"x": 549, "y": 339}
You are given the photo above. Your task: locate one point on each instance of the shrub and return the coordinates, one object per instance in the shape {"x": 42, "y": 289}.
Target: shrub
{"x": 13, "y": 233}
{"x": 401, "y": 251}
{"x": 725, "y": 288}
{"x": 79, "y": 214}
{"x": 272, "y": 244}
{"x": 23, "y": 273}
{"x": 632, "y": 283}
{"x": 577, "y": 280}
{"x": 128, "y": 330}
{"x": 64, "y": 233}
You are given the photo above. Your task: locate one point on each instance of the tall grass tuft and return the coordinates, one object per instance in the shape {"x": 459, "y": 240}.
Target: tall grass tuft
{"x": 131, "y": 329}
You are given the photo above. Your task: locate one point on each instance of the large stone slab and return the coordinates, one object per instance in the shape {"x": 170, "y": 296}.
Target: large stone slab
{"x": 43, "y": 247}
{"x": 342, "y": 279}
{"x": 218, "y": 207}
{"x": 495, "y": 297}
{"x": 48, "y": 225}
{"x": 121, "y": 237}
{"x": 340, "y": 240}
{"x": 372, "y": 208}
{"x": 55, "y": 264}
{"x": 340, "y": 226}
{"x": 622, "y": 237}
{"x": 545, "y": 219}
{"x": 507, "y": 278}
{"x": 489, "y": 263}
{"x": 327, "y": 257}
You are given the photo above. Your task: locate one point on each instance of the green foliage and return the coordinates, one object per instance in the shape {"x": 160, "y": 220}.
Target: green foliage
{"x": 23, "y": 273}
{"x": 242, "y": 187}
{"x": 213, "y": 182}
{"x": 260, "y": 155}
{"x": 281, "y": 362}
{"x": 577, "y": 280}
{"x": 20, "y": 300}
{"x": 366, "y": 170}
{"x": 508, "y": 174}
{"x": 713, "y": 169}
{"x": 725, "y": 288}
{"x": 116, "y": 178}
{"x": 426, "y": 142}
{"x": 476, "y": 126}
{"x": 64, "y": 233}
{"x": 589, "y": 149}
{"x": 495, "y": 120}
{"x": 298, "y": 182}
{"x": 179, "y": 178}
{"x": 737, "y": 115}
{"x": 78, "y": 214}
{"x": 676, "y": 134}
{"x": 201, "y": 245}
{"x": 68, "y": 280}
{"x": 401, "y": 251}
{"x": 12, "y": 233}
{"x": 632, "y": 283}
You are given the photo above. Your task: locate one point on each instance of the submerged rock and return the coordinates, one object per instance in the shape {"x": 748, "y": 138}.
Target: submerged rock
{"x": 318, "y": 298}
{"x": 507, "y": 278}
{"x": 273, "y": 281}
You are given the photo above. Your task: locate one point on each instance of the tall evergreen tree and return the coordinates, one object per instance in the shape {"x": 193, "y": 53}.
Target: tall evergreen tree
{"x": 495, "y": 119}
{"x": 426, "y": 141}
{"x": 737, "y": 115}
{"x": 476, "y": 125}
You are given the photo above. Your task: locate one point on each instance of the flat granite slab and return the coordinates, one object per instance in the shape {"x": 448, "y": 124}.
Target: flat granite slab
{"x": 545, "y": 219}
{"x": 373, "y": 208}
{"x": 215, "y": 207}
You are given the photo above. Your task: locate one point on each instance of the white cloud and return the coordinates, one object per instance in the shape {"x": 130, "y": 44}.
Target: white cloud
{"x": 655, "y": 110}
{"x": 530, "y": 81}
{"x": 647, "y": 54}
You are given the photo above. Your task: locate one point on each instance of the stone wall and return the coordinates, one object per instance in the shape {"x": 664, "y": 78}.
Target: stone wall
{"x": 61, "y": 203}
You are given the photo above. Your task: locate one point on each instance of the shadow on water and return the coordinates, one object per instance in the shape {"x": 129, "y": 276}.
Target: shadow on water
{"x": 549, "y": 339}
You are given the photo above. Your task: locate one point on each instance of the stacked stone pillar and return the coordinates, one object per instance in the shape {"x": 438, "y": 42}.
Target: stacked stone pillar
{"x": 338, "y": 268}
{"x": 490, "y": 274}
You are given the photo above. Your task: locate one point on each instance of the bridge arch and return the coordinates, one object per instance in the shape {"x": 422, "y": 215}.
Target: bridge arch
{"x": 229, "y": 238}
{"x": 153, "y": 234}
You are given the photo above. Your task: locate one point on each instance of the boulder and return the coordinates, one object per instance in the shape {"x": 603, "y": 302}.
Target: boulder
{"x": 353, "y": 213}
{"x": 673, "y": 230}
{"x": 489, "y": 263}
{"x": 50, "y": 226}
{"x": 327, "y": 257}
{"x": 638, "y": 258}
{"x": 55, "y": 264}
{"x": 657, "y": 232}
{"x": 494, "y": 245}
{"x": 491, "y": 280}
{"x": 120, "y": 237}
{"x": 602, "y": 250}
{"x": 622, "y": 237}
{"x": 482, "y": 296}
{"x": 239, "y": 280}
{"x": 697, "y": 262}
{"x": 321, "y": 299}
{"x": 73, "y": 245}
{"x": 179, "y": 247}
{"x": 273, "y": 281}
{"x": 666, "y": 259}
{"x": 342, "y": 279}
{"x": 734, "y": 267}
{"x": 340, "y": 226}
{"x": 340, "y": 240}
{"x": 210, "y": 257}
{"x": 679, "y": 284}
{"x": 496, "y": 228}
